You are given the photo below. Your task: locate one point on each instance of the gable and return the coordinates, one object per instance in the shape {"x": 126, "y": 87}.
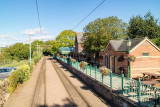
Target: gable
{"x": 146, "y": 46}
{"x": 109, "y": 49}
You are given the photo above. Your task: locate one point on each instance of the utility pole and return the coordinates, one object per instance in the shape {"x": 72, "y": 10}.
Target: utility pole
{"x": 37, "y": 50}
{"x": 30, "y": 50}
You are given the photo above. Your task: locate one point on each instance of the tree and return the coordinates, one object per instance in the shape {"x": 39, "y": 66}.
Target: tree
{"x": 55, "y": 47}
{"x": 144, "y": 26}
{"x": 99, "y": 32}
{"x": 47, "y": 48}
{"x": 18, "y": 51}
{"x": 66, "y": 38}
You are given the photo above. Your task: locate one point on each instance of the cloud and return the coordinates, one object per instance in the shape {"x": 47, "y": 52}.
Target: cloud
{"x": 34, "y": 31}
{"x": 7, "y": 36}
{"x": 44, "y": 38}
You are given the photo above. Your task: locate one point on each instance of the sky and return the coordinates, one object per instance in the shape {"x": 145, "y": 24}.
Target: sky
{"x": 18, "y": 18}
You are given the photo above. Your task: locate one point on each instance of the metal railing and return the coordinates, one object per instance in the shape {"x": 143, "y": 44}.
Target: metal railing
{"x": 146, "y": 95}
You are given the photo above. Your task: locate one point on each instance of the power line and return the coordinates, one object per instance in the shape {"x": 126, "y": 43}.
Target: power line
{"x": 89, "y": 14}
{"x": 38, "y": 17}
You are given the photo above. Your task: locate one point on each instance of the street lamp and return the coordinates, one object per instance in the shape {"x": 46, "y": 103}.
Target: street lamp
{"x": 129, "y": 45}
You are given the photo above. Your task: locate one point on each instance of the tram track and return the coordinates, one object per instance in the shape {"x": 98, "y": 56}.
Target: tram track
{"x": 39, "y": 96}
{"x": 75, "y": 95}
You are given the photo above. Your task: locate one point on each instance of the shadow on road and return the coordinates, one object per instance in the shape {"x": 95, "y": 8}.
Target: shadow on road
{"x": 68, "y": 103}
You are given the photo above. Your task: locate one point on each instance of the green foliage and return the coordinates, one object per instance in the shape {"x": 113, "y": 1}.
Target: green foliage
{"x": 99, "y": 32}
{"x": 18, "y": 77}
{"x": 35, "y": 57}
{"x": 15, "y": 63}
{"x": 55, "y": 47}
{"x": 144, "y": 26}
{"x": 156, "y": 41}
{"x": 66, "y": 38}
{"x": 47, "y": 48}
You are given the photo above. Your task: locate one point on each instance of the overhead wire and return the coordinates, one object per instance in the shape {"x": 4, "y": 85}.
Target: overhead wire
{"x": 38, "y": 17}
{"x": 88, "y": 14}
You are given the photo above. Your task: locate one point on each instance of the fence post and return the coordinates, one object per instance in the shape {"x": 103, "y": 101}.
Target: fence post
{"x": 122, "y": 84}
{"x": 86, "y": 69}
{"x": 139, "y": 91}
{"x": 102, "y": 78}
{"x": 159, "y": 98}
{"x": 90, "y": 70}
{"x": 95, "y": 73}
{"x": 111, "y": 79}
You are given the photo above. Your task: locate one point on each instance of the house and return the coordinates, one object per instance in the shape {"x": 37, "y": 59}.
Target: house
{"x": 115, "y": 57}
{"x": 79, "y": 46}
{"x": 78, "y": 42}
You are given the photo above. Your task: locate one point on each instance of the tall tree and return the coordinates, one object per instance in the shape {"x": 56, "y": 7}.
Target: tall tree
{"x": 66, "y": 38}
{"x": 144, "y": 26}
{"x": 99, "y": 32}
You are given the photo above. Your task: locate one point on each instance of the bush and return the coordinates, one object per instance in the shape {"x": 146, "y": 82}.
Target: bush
{"x": 18, "y": 77}
{"x": 32, "y": 64}
{"x": 35, "y": 59}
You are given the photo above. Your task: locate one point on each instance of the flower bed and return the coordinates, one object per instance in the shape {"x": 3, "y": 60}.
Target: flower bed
{"x": 131, "y": 57}
{"x": 73, "y": 60}
{"x": 63, "y": 57}
{"x": 83, "y": 65}
{"x": 104, "y": 70}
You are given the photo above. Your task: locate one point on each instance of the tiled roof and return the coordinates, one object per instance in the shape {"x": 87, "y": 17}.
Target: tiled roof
{"x": 79, "y": 36}
{"x": 121, "y": 45}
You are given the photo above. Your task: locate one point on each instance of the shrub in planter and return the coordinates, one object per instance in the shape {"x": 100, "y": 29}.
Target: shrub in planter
{"x": 83, "y": 65}
{"x": 63, "y": 57}
{"x": 58, "y": 55}
{"x": 104, "y": 70}
{"x": 131, "y": 57}
{"x": 73, "y": 60}
{"x": 18, "y": 77}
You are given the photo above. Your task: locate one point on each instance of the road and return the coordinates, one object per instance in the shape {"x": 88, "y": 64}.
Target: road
{"x": 4, "y": 75}
{"x": 52, "y": 85}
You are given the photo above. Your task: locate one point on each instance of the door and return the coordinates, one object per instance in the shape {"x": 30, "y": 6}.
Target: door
{"x": 111, "y": 62}
{"x": 106, "y": 61}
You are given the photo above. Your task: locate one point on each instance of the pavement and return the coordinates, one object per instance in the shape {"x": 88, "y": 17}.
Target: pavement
{"x": 23, "y": 95}
{"x": 46, "y": 88}
{"x": 56, "y": 94}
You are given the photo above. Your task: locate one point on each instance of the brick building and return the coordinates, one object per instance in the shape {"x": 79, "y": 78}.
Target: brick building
{"x": 78, "y": 42}
{"x": 115, "y": 57}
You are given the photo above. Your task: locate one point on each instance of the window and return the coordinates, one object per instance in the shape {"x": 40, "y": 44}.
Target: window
{"x": 145, "y": 54}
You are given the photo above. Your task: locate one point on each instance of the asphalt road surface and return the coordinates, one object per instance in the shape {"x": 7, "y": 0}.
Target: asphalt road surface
{"x": 4, "y": 75}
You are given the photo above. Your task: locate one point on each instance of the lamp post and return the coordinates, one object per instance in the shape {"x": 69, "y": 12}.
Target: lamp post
{"x": 129, "y": 45}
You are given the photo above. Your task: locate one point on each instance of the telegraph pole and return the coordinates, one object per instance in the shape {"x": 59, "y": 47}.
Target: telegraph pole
{"x": 30, "y": 50}
{"x": 37, "y": 50}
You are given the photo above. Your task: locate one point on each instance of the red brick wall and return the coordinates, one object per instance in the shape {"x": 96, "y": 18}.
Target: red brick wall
{"x": 109, "y": 50}
{"x": 145, "y": 64}
{"x": 78, "y": 47}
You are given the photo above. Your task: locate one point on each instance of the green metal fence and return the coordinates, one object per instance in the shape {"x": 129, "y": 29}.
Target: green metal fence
{"x": 146, "y": 95}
